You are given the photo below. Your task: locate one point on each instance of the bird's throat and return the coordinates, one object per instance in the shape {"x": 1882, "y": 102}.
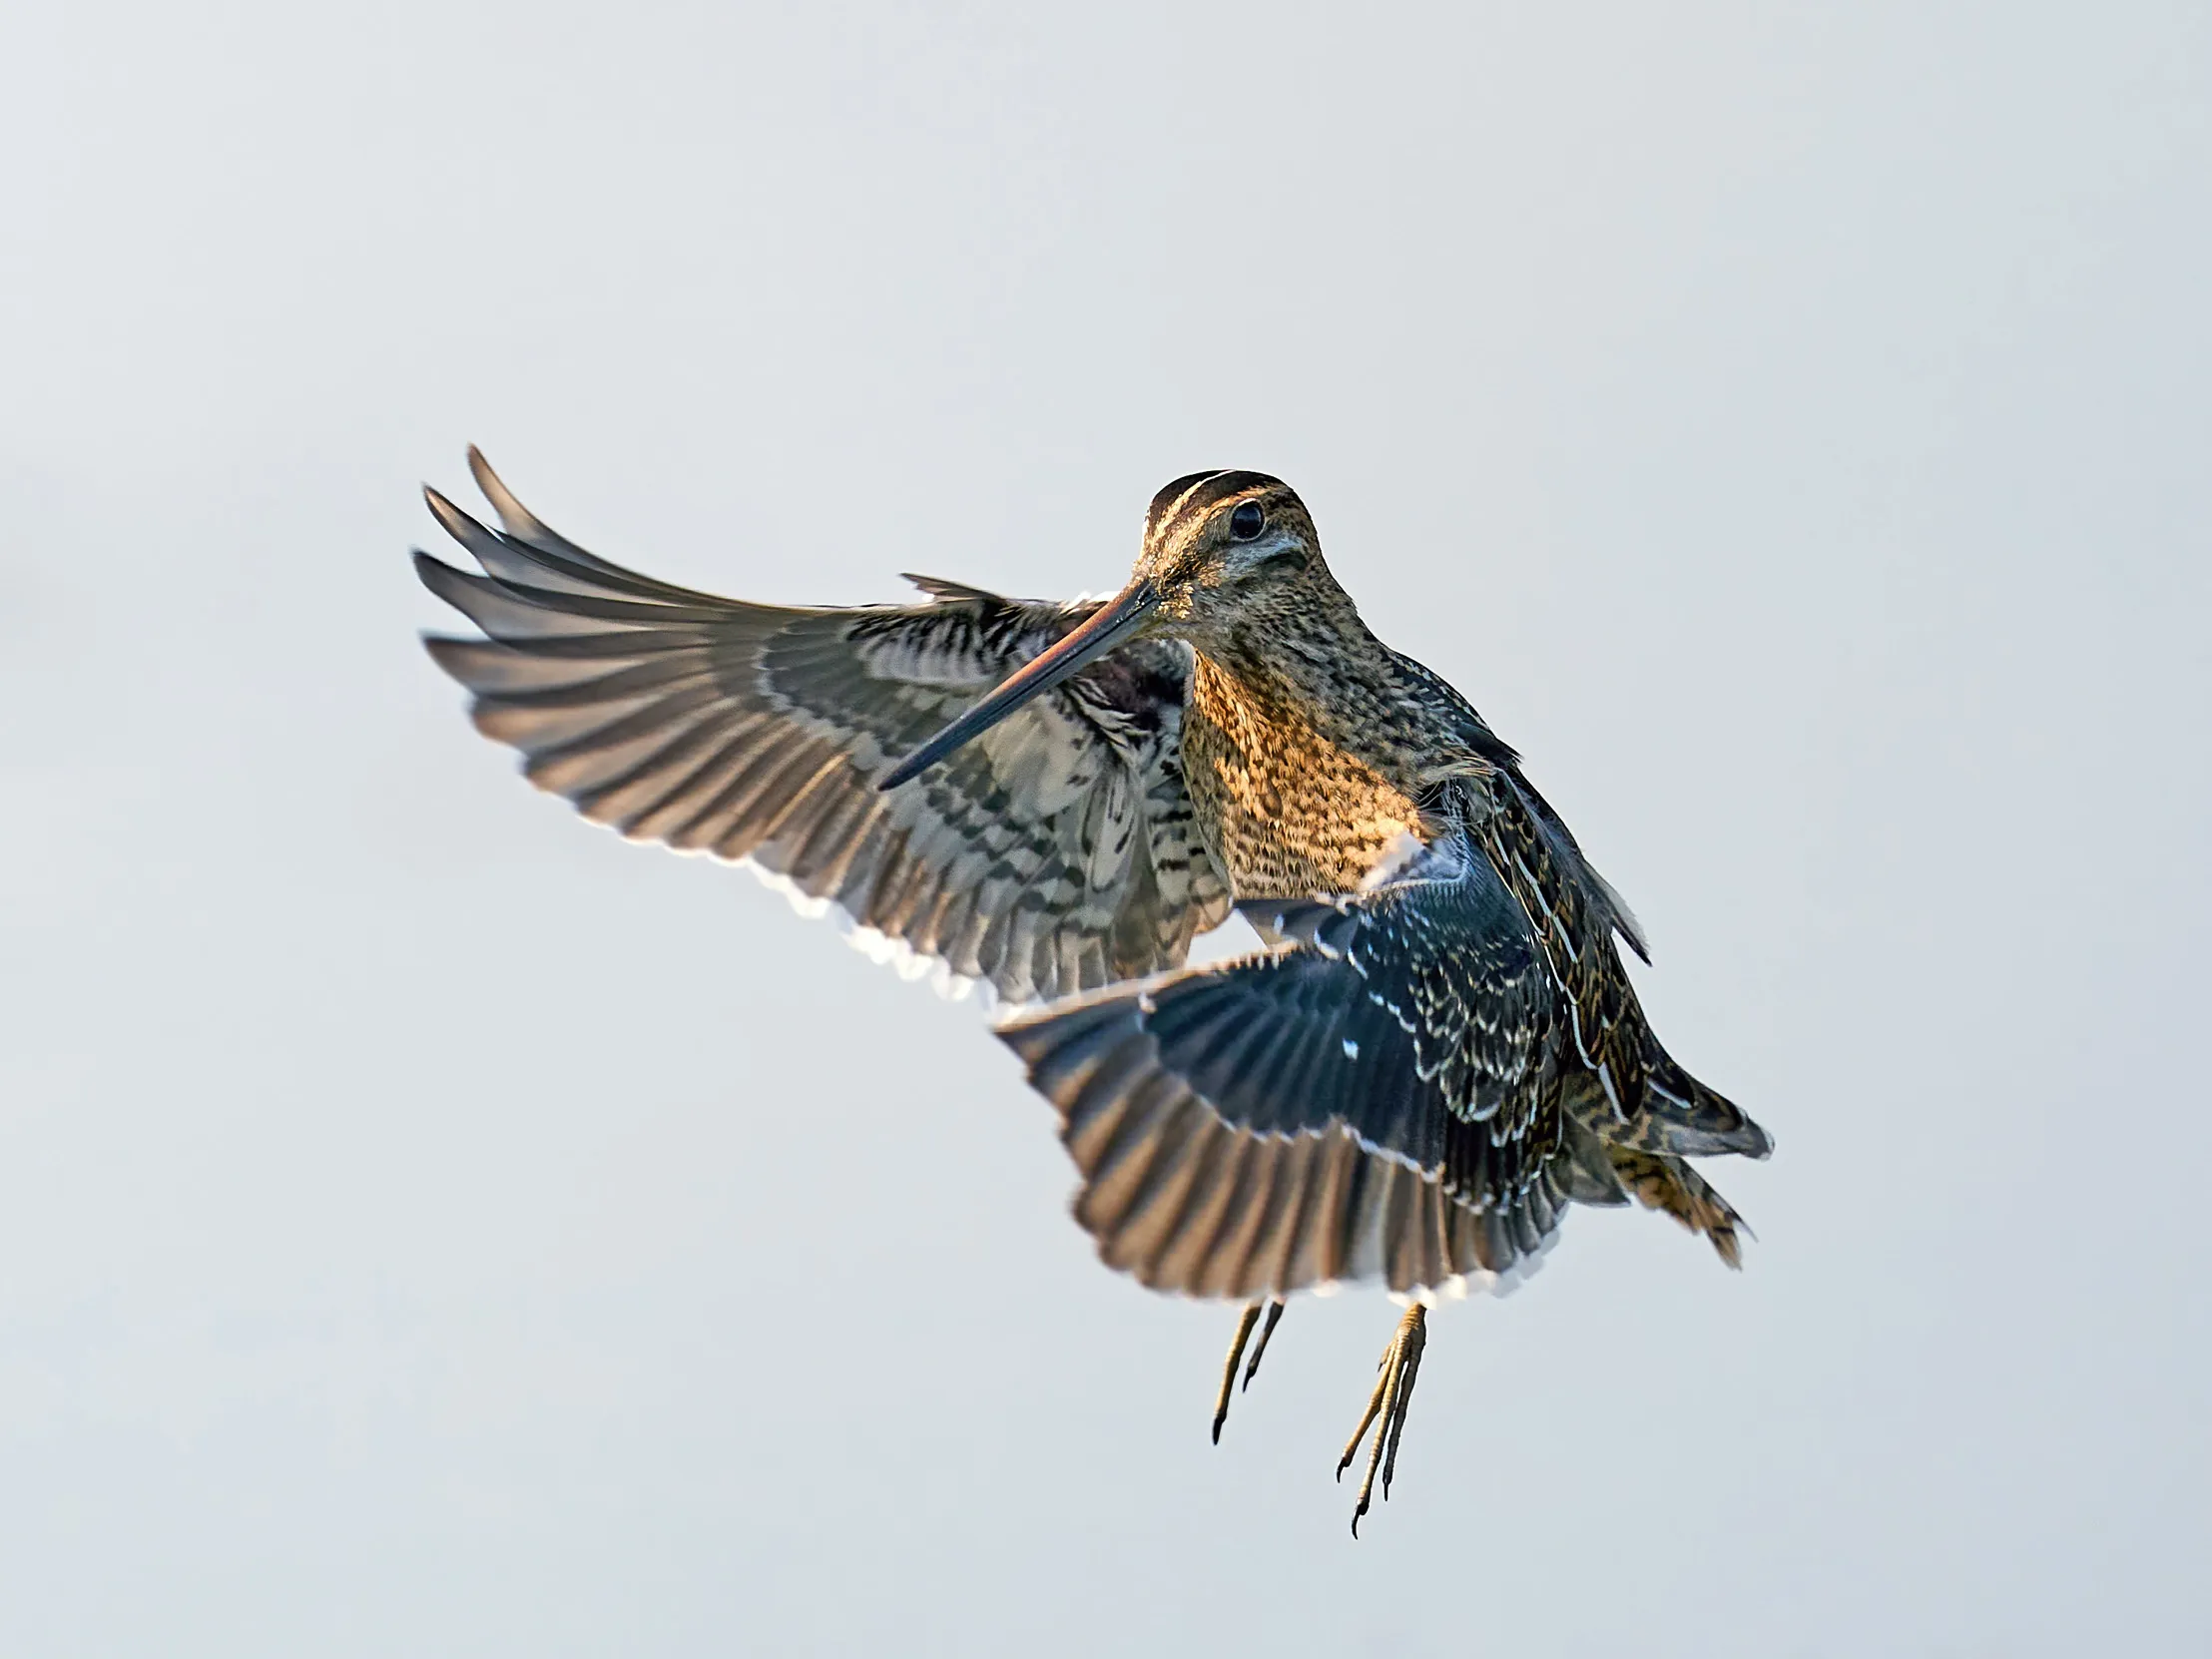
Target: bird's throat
{"x": 1294, "y": 799}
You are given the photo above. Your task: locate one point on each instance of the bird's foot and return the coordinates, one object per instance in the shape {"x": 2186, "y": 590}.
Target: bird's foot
{"x": 1237, "y": 1342}
{"x": 1394, "y": 1391}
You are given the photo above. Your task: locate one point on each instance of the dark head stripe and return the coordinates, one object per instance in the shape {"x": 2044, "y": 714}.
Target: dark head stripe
{"x": 1196, "y": 494}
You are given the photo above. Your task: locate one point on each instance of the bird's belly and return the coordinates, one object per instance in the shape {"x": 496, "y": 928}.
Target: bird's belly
{"x": 1290, "y": 814}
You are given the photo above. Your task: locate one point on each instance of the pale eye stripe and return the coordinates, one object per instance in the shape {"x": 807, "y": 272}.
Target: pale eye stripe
{"x": 1197, "y": 484}
{"x": 1163, "y": 517}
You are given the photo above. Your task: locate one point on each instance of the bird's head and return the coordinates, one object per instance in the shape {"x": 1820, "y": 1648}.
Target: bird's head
{"x": 1222, "y": 552}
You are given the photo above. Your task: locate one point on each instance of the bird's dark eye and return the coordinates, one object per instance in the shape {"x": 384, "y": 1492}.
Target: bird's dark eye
{"x": 1248, "y": 520}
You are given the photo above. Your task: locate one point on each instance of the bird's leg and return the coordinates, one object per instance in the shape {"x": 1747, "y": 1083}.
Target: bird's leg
{"x": 1275, "y": 1318}
{"x": 1244, "y": 1323}
{"x": 1394, "y": 1391}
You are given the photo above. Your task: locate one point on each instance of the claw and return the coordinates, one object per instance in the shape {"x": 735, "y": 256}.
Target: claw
{"x": 1393, "y": 1393}
{"x": 1374, "y": 1405}
{"x": 1245, "y": 1321}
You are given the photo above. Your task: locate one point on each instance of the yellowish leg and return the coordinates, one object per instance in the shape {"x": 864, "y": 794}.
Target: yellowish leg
{"x": 1244, "y": 1323}
{"x": 1275, "y": 1318}
{"x": 1394, "y": 1393}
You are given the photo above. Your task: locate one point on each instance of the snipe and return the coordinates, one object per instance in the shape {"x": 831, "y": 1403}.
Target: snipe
{"x": 1437, "y": 1051}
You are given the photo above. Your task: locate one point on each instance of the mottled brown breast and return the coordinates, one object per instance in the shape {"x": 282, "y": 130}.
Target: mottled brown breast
{"x": 1286, "y": 809}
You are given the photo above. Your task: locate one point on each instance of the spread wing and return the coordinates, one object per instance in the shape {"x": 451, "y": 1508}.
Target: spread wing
{"x": 1379, "y": 1099}
{"x": 1054, "y": 854}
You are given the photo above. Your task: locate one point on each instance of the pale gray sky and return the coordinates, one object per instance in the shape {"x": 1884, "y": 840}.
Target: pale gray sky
{"x": 428, "y": 1226}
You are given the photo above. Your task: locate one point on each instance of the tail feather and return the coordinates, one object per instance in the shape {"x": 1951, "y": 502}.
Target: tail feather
{"x": 1682, "y": 1118}
{"x": 1659, "y": 1182}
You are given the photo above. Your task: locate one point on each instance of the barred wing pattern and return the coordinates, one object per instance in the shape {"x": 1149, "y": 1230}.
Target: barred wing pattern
{"x": 1378, "y": 1099}
{"x": 1055, "y": 855}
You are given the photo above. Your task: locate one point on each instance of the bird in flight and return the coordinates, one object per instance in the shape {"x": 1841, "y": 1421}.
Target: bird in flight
{"x": 1435, "y": 1052}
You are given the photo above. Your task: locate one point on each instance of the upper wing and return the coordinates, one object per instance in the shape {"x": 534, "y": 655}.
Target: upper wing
{"x": 1650, "y": 1103}
{"x": 1381, "y": 1098}
{"x": 1053, "y": 854}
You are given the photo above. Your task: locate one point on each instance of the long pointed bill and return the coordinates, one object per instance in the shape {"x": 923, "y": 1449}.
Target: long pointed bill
{"x": 1108, "y": 627}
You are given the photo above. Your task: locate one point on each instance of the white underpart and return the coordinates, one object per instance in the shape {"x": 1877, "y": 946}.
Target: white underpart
{"x": 1399, "y": 852}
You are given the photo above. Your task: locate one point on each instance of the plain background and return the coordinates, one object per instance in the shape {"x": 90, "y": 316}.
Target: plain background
{"x": 430, "y": 1226}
